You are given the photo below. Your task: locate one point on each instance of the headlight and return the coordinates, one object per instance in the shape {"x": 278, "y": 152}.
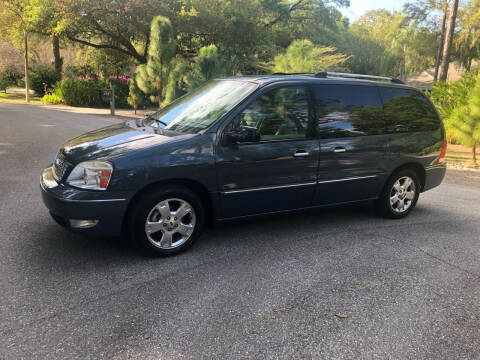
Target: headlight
{"x": 93, "y": 175}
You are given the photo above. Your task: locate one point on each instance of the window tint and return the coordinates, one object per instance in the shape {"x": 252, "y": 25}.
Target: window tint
{"x": 408, "y": 110}
{"x": 279, "y": 114}
{"x": 348, "y": 110}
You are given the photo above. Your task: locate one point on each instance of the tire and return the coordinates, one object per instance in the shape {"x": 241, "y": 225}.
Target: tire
{"x": 166, "y": 234}
{"x": 406, "y": 193}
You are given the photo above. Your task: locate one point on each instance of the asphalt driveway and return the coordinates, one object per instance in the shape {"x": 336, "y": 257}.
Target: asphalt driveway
{"x": 266, "y": 288}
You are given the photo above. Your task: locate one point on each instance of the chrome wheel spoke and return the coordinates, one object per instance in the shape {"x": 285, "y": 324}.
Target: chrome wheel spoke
{"x": 410, "y": 195}
{"x": 407, "y": 183}
{"x": 166, "y": 241}
{"x": 401, "y": 205}
{"x": 183, "y": 210}
{"x": 397, "y": 186}
{"x": 153, "y": 227}
{"x": 164, "y": 209}
{"x": 393, "y": 199}
{"x": 185, "y": 229}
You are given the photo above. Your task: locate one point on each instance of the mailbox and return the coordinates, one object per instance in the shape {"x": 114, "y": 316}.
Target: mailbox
{"x": 106, "y": 94}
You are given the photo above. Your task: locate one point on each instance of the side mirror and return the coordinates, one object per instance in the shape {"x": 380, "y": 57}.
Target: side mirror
{"x": 242, "y": 134}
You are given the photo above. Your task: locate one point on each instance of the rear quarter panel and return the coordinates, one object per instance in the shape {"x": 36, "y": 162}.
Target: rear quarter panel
{"x": 421, "y": 148}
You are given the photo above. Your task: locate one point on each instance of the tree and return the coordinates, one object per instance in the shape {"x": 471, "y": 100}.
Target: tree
{"x": 153, "y": 76}
{"x": 304, "y": 56}
{"x": 448, "y": 41}
{"x": 467, "y": 42}
{"x": 465, "y": 120}
{"x": 421, "y": 12}
{"x": 16, "y": 21}
{"x": 45, "y": 21}
{"x": 442, "y": 40}
{"x": 209, "y": 64}
{"x": 135, "y": 95}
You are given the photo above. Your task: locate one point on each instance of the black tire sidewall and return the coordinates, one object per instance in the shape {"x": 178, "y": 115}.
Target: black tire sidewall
{"x": 383, "y": 204}
{"x": 145, "y": 204}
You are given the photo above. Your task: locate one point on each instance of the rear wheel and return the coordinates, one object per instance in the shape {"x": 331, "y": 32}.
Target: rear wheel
{"x": 166, "y": 221}
{"x": 400, "y": 195}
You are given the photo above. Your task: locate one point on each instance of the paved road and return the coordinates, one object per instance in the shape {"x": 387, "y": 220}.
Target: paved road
{"x": 259, "y": 289}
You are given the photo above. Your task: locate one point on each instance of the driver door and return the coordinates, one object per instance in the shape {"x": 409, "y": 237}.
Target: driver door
{"x": 279, "y": 172}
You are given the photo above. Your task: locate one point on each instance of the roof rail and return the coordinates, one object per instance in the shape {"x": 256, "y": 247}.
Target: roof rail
{"x": 296, "y": 73}
{"x": 324, "y": 74}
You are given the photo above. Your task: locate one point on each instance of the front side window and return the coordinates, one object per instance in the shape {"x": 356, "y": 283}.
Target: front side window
{"x": 408, "y": 110}
{"x": 348, "y": 110}
{"x": 199, "y": 109}
{"x": 278, "y": 114}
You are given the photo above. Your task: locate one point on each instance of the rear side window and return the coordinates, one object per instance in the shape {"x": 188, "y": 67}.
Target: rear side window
{"x": 348, "y": 110}
{"x": 408, "y": 110}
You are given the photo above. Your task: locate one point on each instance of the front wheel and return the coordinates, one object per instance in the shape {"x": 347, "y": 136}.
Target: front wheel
{"x": 166, "y": 221}
{"x": 400, "y": 195}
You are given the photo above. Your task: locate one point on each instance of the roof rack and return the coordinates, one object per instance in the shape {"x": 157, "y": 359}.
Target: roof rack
{"x": 296, "y": 73}
{"x": 324, "y": 74}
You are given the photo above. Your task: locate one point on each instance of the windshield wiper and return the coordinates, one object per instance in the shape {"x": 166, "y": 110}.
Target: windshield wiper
{"x": 150, "y": 117}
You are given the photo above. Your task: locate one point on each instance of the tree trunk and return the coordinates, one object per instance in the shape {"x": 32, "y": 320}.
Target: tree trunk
{"x": 440, "y": 46}
{"x": 474, "y": 154}
{"x": 159, "y": 87}
{"x": 448, "y": 41}
{"x": 27, "y": 87}
{"x": 58, "y": 61}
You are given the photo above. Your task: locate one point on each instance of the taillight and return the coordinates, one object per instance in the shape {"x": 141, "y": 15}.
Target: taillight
{"x": 443, "y": 152}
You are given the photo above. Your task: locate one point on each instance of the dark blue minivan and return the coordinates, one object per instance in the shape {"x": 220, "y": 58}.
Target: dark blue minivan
{"x": 249, "y": 146}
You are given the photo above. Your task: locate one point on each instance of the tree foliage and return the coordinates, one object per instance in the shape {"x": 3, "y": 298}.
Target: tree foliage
{"x": 152, "y": 77}
{"x": 304, "y": 56}
{"x": 465, "y": 120}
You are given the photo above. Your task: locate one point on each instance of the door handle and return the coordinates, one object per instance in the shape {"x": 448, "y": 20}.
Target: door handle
{"x": 339, "y": 149}
{"x": 301, "y": 153}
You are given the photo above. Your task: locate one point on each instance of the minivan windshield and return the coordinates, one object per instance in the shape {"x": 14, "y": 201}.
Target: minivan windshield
{"x": 199, "y": 109}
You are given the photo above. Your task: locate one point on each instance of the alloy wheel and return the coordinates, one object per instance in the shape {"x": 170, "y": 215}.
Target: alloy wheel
{"x": 402, "y": 194}
{"x": 170, "y": 223}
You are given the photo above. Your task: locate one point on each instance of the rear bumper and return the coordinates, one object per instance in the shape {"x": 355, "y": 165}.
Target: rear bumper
{"x": 66, "y": 203}
{"x": 434, "y": 176}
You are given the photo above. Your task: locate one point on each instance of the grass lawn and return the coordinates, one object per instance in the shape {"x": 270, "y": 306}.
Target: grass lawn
{"x": 17, "y": 98}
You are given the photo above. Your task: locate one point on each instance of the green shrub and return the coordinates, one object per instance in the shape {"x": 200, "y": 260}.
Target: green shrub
{"x": 121, "y": 93}
{"x": 54, "y": 98}
{"x": 42, "y": 80}
{"x": 448, "y": 96}
{"x": 9, "y": 77}
{"x": 86, "y": 92}
{"x": 82, "y": 92}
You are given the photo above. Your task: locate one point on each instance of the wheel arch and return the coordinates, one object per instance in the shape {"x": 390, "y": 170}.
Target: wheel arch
{"x": 196, "y": 187}
{"x": 415, "y": 166}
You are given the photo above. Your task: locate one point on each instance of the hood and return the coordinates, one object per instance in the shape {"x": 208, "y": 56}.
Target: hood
{"x": 111, "y": 142}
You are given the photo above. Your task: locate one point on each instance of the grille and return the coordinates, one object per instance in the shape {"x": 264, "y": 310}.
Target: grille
{"x": 60, "y": 166}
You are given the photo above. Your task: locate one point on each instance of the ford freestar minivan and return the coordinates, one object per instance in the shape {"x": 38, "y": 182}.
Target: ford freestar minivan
{"x": 249, "y": 146}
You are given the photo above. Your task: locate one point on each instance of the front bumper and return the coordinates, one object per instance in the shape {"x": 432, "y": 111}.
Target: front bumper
{"x": 66, "y": 203}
